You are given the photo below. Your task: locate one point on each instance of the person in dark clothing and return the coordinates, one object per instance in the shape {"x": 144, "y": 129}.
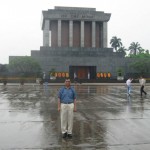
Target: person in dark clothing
{"x": 142, "y": 82}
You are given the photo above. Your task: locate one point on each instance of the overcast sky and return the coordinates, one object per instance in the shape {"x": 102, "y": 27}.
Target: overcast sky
{"x": 20, "y": 30}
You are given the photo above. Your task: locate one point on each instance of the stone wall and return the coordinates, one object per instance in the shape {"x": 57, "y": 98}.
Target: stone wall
{"x": 104, "y": 59}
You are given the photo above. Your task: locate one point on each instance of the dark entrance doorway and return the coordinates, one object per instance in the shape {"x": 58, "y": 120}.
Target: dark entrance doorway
{"x": 82, "y": 72}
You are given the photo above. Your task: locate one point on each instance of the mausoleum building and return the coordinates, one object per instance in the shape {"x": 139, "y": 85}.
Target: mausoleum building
{"x": 75, "y": 44}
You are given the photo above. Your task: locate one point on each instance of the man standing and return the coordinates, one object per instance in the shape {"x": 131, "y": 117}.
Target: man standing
{"x": 66, "y": 106}
{"x": 128, "y": 83}
{"x": 142, "y": 82}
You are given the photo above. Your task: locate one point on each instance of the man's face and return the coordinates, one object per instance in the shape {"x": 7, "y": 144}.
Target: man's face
{"x": 67, "y": 82}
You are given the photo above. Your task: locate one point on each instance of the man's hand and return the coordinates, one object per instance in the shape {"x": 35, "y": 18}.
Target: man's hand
{"x": 59, "y": 104}
{"x": 59, "y": 109}
{"x": 74, "y": 109}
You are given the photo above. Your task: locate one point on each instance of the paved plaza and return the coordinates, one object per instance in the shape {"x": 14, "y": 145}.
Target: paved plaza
{"x": 106, "y": 118}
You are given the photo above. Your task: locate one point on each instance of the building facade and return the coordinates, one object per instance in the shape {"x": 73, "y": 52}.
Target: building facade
{"x": 75, "y": 44}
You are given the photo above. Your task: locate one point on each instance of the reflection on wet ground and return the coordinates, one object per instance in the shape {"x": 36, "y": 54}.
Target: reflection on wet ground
{"x": 106, "y": 119}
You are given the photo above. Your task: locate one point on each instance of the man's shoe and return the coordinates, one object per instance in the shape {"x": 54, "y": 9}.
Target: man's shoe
{"x": 70, "y": 136}
{"x": 64, "y": 135}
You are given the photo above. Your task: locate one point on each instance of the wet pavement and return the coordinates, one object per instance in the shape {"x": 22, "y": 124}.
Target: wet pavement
{"x": 106, "y": 118}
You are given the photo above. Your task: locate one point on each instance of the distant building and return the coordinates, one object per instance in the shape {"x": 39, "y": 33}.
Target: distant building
{"x": 75, "y": 44}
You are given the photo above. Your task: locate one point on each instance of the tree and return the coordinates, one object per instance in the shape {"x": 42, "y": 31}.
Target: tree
{"x": 120, "y": 71}
{"x": 147, "y": 51}
{"x": 3, "y": 70}
{"x": 141, "y": 65}
{"x": 122, "y": 50}
{"x": 24, "y": 66}
{"x": 4, "y": 73}
{"x": 115, "y": 42}
{"x": 141, "y": 51}
{"x": 141, "y": 55}
{"x": 134, "y": 48}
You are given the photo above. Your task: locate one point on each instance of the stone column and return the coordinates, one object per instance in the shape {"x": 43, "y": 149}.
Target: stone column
{"x": 82, "y": 33}
{"x": 46, "y": 36}
{"x": 93, "y": 34}
{"x": 59, "y": 33}
{"x": 70, "y": 33}
{"x": 104, "y": 34}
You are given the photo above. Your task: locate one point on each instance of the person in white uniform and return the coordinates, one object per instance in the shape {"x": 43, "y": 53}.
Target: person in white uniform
{"x": 128, "y": 83}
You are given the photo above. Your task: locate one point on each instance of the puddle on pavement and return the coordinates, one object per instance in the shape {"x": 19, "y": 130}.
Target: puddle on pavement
{"x": 29, "y": 117}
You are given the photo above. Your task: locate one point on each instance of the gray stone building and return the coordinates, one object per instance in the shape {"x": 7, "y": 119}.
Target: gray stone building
{"x": 75, "y": 44}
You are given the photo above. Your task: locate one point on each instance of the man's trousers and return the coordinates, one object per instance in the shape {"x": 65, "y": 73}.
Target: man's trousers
{"x": 142, "y": 90}
{"x": 67, "y": 118}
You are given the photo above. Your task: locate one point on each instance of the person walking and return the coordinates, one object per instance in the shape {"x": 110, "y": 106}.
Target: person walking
{"x": 66, "y": 107}
{"x": 128, "y": 83}
{"x": 142, "y": 82}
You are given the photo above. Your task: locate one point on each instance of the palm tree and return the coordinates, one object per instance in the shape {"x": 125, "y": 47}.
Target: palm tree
{"x": 134, "y": 48}
{"x": 122, "y": 49}
{"x": 141, "y": 51}
{"x": 147, "y": 51}
{"x": 115, "y": 42}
